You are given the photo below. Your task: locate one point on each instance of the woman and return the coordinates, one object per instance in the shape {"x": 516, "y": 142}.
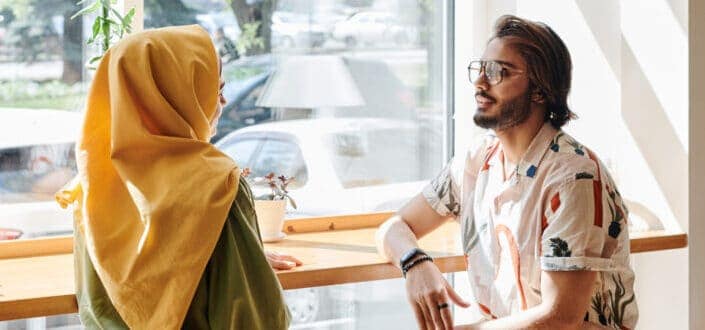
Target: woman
{"x": 165, "y": 231}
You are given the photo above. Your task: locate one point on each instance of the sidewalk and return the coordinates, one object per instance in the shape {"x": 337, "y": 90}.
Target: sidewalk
{"x": 38, "y": 71}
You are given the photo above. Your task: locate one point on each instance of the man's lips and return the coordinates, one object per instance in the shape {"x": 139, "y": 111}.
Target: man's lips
{"x": 482, "y": 101}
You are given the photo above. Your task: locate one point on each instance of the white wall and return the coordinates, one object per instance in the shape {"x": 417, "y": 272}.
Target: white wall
{"x": 630, "y": 90}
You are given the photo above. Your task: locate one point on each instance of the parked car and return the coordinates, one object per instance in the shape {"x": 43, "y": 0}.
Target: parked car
{"x": 292, "y": 30}
{"x": 344, "y": 165}
{"x": 370, "y": 27}
{"x": 340, "y": 165}
{"x": 244, "y": 79}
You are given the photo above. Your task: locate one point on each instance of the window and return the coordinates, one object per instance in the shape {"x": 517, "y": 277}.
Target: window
{"x": 43, "y": 83}
{"x": 242, "y": 151}
{"x": 391, "y": 53}
{"x": 359, "y": 164}
{"x": 280, "y": 157}
{"x": 393, "y": 58}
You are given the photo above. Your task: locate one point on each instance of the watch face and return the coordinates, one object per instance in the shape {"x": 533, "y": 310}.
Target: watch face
{"x": 407, "y": 256}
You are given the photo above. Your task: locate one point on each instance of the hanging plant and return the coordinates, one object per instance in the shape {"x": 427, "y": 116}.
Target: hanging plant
{"x": 109, "y": 26}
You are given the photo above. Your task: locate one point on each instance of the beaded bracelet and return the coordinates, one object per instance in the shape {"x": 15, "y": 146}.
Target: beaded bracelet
{"x": 410, "y": 265}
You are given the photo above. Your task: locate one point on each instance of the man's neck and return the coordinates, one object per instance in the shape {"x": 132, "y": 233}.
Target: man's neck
{"x": 515, "y": 140}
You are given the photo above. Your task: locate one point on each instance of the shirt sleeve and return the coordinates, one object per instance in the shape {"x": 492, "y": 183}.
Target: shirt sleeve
{"x": 573, "y": 235}
{"x": 443, "y": 192}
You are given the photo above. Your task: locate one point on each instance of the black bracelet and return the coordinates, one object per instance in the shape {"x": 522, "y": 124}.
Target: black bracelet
{"x": 408, "y": 256}
{"x": 410, "y": 265}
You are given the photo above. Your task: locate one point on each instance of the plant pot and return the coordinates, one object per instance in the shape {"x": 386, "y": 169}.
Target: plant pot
{"x": 270, "y": 217}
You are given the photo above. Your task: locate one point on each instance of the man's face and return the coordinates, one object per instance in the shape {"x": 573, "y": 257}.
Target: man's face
{"x": 507, "y": 103}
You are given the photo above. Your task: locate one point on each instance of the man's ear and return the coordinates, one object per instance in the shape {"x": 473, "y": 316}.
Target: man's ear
{"x": 537, "y": 96}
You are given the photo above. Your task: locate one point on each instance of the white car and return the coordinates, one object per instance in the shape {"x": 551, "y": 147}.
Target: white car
{"x": 374, "y": 28}
{"x": 340, "y": 165}
{"x": 290, "y": 30}
{"x": 36, "y": 159}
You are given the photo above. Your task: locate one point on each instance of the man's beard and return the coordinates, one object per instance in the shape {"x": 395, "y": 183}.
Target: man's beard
{"x": 514, "y": 112}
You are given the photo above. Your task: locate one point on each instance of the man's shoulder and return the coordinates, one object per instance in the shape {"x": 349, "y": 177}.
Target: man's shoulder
{"x": 569, "y": 159}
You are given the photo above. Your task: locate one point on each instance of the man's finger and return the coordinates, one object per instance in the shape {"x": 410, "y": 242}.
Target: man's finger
{"x": 446, "y": 315}
{"x": 419, "y": 315}
{"x": 432, "y": 303}
{"x": 428, "y": 320}
{"x": 455, "y": 297}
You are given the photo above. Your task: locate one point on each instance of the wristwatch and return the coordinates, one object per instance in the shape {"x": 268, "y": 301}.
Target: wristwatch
{"x": 410, "y": 255}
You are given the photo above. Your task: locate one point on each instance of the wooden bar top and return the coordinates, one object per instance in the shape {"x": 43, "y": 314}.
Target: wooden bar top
{"x": 343, "y": 253}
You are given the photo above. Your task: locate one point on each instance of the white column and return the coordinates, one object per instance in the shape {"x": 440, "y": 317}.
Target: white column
{"x": 696, "y": 191}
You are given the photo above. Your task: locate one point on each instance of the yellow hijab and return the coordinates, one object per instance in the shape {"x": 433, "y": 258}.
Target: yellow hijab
{"x": 153, "y": 193}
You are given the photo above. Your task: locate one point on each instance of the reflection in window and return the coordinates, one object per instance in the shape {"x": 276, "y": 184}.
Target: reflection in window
{"x": 43, "y": 83}
{"x": 358, "y": 164}
{"x": 242, "y": 151}
{"x": 391, "y": 50}
{"x": 281, "y": 158}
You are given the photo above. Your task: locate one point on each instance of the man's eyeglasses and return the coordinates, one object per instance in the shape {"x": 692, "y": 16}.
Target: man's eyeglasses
{"x": 493, "y": 70}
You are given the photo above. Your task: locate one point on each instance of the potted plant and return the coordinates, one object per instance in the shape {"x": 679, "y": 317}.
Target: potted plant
{"x": 271, "y": 207}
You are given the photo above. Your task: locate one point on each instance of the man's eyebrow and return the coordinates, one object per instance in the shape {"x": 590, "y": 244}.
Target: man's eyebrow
{"x": 504, "y": 63}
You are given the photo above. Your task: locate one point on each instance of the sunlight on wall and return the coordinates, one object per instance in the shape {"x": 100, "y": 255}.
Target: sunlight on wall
{"x": 661, "y": 48}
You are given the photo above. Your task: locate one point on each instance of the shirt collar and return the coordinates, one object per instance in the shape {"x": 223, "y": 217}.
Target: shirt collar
{"x": 529, "y": 163}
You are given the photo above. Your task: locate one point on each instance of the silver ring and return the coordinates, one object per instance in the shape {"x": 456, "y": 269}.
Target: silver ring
{"x": 443, "y": 305}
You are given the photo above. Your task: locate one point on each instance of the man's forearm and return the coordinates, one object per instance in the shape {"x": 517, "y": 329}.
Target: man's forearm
{"x": 394, "y": 238}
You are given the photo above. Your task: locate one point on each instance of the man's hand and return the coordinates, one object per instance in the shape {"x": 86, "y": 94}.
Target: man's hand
{"x": 281, "y": 261}
{"x": 430, "y": 296}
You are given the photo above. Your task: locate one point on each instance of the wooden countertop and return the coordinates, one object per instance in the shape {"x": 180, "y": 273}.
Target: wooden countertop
{"x": 335, "y": 250}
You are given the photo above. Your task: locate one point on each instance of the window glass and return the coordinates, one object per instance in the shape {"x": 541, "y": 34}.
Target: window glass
{"x": 242, "y": 151}
{"x": 358, "y": 85}
{"x": 281, "y": 158}
{"x": 358, "y": 164}
{"x": 43, "y": 83}
{"x": 385, "y": 71}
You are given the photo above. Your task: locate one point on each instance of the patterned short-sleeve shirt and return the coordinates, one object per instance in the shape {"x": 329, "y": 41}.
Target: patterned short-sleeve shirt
{"x": 558, "y": 211}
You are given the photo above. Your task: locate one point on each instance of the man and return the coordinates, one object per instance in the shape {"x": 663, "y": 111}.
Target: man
{"x": 543, "y": 227}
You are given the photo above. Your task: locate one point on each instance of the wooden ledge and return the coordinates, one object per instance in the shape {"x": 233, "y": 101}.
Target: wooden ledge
{"x": 343, "y": 252}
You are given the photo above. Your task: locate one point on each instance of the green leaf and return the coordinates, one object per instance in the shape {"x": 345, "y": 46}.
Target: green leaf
{"x": 96, "y": 31}
{"x": 111, "y": 22}
{"x": 127, "y": 20}
{"x": 95, "y": 59}
{"x": 93, "y": 7}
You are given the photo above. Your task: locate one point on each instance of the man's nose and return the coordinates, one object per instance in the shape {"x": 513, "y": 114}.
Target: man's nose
{"x": 481, "y": 82}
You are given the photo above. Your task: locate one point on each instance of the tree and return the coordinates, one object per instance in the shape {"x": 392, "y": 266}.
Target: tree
{"x": 167, "y": 12}
{"x": 255, "y": 22}
{"x": 72, "y": 46}
{"x": 32, "y": 33}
